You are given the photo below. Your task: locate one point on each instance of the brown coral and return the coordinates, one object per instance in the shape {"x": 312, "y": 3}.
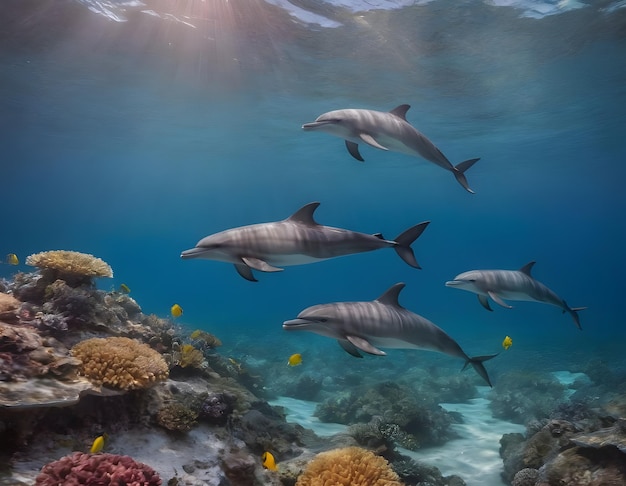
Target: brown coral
{"x": 350, "y": 466}
{"x": 70, "y": 264}
{"x": 120, "y": 362}
{"x": 205, "y": 339}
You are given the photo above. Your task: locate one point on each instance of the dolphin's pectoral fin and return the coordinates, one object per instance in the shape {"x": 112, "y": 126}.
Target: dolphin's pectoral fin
{"x": 368, "y": 139}
{"x": 245, "y": 271}
{"x": 484, "y": 302}
{"x": 496, "y": 298}
{"x": 364, "y": 345}
{"x": 353, "y": 148}
{"x": 349, "y": 348}
{"x": 260, "y": 265}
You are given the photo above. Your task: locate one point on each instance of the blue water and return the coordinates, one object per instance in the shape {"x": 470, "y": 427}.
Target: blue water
{"x": 131, "y": 140}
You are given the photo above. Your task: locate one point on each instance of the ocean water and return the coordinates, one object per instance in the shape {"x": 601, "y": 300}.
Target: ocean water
{"x": 132, "y": 129}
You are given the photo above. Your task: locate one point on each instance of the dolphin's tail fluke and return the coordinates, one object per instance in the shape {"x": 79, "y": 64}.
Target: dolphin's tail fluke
{"x": 406, "y": 239}
{"x": 573, "y": 311}
{"x": 477, "y": 363}
{"x": 459, "y": 173}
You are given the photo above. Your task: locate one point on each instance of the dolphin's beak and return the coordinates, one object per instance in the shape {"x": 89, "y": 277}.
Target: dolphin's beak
{"x": 454, "y": 283}
{"x": 193, "y": 253}
{"x": 294, "y": 324}
{"x": 315, "y": 124}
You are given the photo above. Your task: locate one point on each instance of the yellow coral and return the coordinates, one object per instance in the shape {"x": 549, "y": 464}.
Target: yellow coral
{"x": 120, "y": 362}
{"x": 72, "y": 262}
{"x": 208, "y": 339}
{"x": 190, "y": 356}
{"x": 350, "y": 466}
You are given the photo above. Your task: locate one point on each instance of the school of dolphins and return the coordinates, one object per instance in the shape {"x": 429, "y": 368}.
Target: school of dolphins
{"x": 380, "y": 323}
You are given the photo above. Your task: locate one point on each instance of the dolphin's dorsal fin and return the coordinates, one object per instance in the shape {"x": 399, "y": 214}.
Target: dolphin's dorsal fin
{"x": 527, "y": 268}
{"x": 304, "y": 215}
{"x": 379, "y": 236}
{"x": 390, "y": 297}
{"x": 400, "y": 111}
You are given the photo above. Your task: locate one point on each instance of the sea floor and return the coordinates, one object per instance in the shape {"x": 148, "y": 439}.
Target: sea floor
{"x": 474, "y": 456}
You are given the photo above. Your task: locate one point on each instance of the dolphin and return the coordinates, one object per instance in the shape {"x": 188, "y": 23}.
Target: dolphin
{"x": 512, "y": 285}
{"x": 296, "y": 240}
{"x": 365, "y": 326}
{"x": 386, "y": 131}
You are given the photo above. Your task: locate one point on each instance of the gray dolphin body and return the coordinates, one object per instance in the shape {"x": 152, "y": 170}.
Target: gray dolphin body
{"x": 296, "y": 240}
{"x": 365, "y": 326}
{"x": 386, "y": 131}
{"x": 511, "y": 285}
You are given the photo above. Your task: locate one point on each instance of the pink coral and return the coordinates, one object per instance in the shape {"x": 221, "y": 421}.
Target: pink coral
{"x": 97, "y": 470}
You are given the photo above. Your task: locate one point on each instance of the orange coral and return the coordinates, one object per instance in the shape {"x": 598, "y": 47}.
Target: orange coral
{"x": 120, "y": 362}
{"x": 350, "y": 466}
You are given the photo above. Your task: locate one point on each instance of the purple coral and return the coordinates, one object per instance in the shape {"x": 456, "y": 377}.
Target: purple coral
{"x": 97, "y": 470}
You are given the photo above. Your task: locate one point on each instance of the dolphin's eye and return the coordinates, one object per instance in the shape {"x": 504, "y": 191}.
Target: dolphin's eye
{"x": 323, "y": 319}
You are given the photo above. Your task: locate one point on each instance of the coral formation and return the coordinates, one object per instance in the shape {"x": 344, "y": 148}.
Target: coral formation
{"x": 420, "y": 422}
{"x": 120, "y": 362}
{"x": 9, "y": 307}
{"x": 217, "y": 407}
{"x": 205, "y": 339}
{"x": 190, "y": 357}
{"x": 72, "y": 266}
{"x": 350, "y": 466}
{"x": 526, "y": 477}
{"x": 521, "y": 396}
{"x": 176, "y": 417}
{"x": 80, "y": 468}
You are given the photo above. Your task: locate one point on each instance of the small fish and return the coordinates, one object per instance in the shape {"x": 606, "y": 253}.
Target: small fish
{"x": 295, "y": 359}
{"x": 507, "y": 343}
{"x": 176, "y": 311}
{"x": 269, "y": 462}
{"x": 12, "y": 259}
{"x": 124, "y": 289}
{"x": 98, "y": 444}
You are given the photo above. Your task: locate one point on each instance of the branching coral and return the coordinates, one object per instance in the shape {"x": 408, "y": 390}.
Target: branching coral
{"x": 80, "y": 468}
{"x": 120, "y": 362}
{"x": 350, "y": 466}
{"x": 74, "y": 267}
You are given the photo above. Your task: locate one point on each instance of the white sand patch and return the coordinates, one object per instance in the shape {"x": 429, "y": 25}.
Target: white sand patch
{"x": 474, "y": 457}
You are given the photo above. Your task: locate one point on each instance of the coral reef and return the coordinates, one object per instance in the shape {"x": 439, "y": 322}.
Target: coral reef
{"x": 217, "y": 407}
{"x": 9, "y": 307}
{"x": 205, "y": 340}
{"x": 526, "y": 477}
{"x": 190, "y": 357}
{"x": 420, "y": 422}
{"x": 69, "y": 265}
{"x": 521, "y": 396}
{"x": 415, "y": 473}
{"x": 350, "y": 466}
{"x": 176, "y": 417}
{"x": 79, "y": 468}
{"x": 120, "y": 362}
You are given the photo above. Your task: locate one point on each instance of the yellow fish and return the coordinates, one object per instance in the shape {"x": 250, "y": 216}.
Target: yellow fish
{"x": 12, "y": 259}
{"x": 269, "y": 462}
{"x": 507, "y": 343}
{"x": 125, "y": 289}
{"x": 176, "y": 310}
{"x": 98, "y": 444}
{"x": 295, "y": 359}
